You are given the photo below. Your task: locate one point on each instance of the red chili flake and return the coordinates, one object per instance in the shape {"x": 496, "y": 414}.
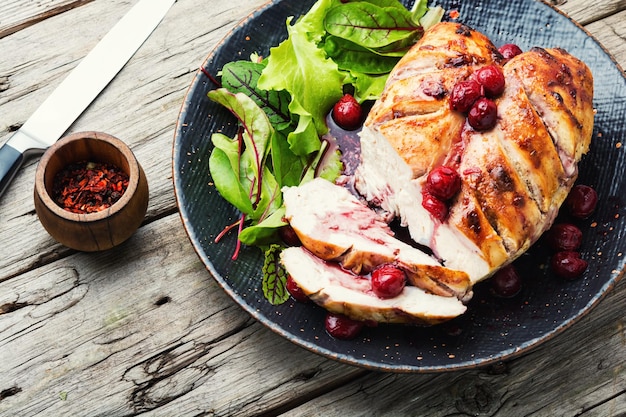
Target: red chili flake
{"x": 88, "y": 187}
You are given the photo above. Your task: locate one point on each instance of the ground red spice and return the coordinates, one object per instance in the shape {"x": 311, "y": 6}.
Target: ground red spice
{"x": 88, "y": 187}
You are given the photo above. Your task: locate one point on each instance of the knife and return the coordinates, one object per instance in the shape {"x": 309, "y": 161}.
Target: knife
{"x": 66, "y": 103}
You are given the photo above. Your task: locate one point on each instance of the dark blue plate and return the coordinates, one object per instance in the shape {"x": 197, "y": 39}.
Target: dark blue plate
{"x": 493, "y": 329}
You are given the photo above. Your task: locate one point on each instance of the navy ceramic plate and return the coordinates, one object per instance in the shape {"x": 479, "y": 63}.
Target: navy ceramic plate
{"x": 493, "y": 329}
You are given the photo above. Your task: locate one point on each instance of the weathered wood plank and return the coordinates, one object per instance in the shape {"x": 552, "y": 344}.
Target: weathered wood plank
{"x": 140, "y": 106}
{"x": 144, "y": 329}
{"x": 611, "y": 33}
{"x": 104, "y": 334}
{"x": 584, "y": 12}
{"x": 16, "y": 15}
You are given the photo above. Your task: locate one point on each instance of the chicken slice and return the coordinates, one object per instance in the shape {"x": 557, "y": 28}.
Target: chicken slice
{"x": 343, "y": 292}
{"x": 335, "y": 226}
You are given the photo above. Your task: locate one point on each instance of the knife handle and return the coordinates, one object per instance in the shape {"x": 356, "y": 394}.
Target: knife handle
{"x": 10, "y": 161}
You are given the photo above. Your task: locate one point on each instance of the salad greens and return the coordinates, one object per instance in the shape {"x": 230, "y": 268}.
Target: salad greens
{"x": 281, "y": 103}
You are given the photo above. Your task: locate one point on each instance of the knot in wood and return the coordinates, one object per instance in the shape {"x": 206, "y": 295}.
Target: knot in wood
{"x": 474, "y": 397}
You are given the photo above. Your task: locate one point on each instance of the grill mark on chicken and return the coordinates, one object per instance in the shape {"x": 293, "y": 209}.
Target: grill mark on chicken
{"x": 560, "y": 87}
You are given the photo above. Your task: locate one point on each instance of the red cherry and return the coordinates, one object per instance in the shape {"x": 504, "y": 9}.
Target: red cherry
{"x": 289, "y": 236}
{"x": 581, "y": 201}
{"x": 443, "y": 182}
{"x": 347, "y": 113}
{"x": 437, "y": 208}
{"x": 464, "y": 94}
{"x": 509, "y": 50}
{"x": 506, "y": 282}
{"x": 296, "y": 292}
{"x": 342, "y": 327}
{"x": 388, "y": 281}
{"x": 568, "y": 264}
{"x": 492, "y": 80}
{"x": 564, "y": 237}
{"x": 483, "y": 114}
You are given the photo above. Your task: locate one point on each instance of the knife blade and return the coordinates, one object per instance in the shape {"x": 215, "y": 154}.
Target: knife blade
{"x": 83, "y": 84}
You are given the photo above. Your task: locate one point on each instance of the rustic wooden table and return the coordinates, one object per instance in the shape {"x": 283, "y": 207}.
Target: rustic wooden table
{"x": 144, "y": 329}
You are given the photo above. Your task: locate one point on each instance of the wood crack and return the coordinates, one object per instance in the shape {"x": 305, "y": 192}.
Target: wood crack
{"x": 23, "y": 23}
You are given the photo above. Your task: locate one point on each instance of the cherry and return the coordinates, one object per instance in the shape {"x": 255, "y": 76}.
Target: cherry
{"x": 483, "y": 114}
{"x": 509, "y": 50}
{"x": 348, "y": 113}
{"x": 289, "y": 236}
{"x": 492, "y": 80}
{"x": 388, "y": 281}
{"x": 443, "y": 182}
{"x": 581, "y": 201}
{"x": 296, "y": 292}
{"x": 342, "y": 327}
{"x": 506, "y": 282}
{"x": 564, "y": 237}
{"x": 568, "y": 264}
{"x": 437, "y": 208}
{"x": 464, "y": 94}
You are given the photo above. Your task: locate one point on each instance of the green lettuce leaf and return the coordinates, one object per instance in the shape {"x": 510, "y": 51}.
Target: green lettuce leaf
{"x": 313, "y": 80}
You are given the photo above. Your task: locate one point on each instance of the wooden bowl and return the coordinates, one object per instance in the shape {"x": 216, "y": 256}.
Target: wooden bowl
{"x": 100, "y": 230}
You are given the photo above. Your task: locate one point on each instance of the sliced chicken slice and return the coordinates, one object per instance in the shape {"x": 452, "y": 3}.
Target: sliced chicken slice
{"x": 343, "y": 292}
{"x": 335, "y": 226}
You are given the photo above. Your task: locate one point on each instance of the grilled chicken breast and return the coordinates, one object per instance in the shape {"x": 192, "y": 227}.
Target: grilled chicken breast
{"x": 514, "y": 178}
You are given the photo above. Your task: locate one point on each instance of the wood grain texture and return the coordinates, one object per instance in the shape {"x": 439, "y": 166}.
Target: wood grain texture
{"x": 143, "y": 329}
{"x": 19, "y": 14}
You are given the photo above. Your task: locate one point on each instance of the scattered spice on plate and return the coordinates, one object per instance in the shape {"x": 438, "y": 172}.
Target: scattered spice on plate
{"x": 88, "y": 187}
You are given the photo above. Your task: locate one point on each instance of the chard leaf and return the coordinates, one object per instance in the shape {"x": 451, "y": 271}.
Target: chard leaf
{"x": 257, "y": 132}
{"x": 224, "y": 168}
{"x": 287, "y": 166}
{"x": 274, "y": 277}
{"x": 297, "y": 65}
{"x": 432, "y": 17}
{"x": 270, "y": 198}
{"x": 264, "y": 232}
{"x": 351, "y": 57}
{"x": 242, "y": 77}
{"x": 330, "y": 167}
{"x": 368, "y": 87}
{"x": 369, "y": 25}
{"x": 419, "y": 9}
{"x": 387, "y": 3}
